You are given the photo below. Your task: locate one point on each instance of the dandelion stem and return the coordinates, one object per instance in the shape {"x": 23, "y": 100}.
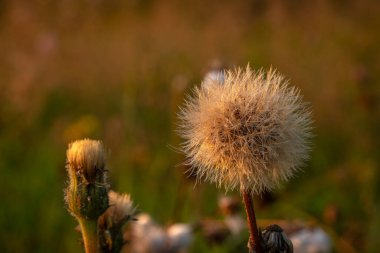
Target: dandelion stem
{"x": 254, "y": 239}
{"x": 89, "y": 229}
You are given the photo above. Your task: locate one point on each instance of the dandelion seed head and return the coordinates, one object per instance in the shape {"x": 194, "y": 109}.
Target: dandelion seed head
{"x": 252, "y": 132}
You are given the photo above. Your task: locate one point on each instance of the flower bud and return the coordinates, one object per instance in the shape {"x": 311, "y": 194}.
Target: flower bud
{"x": 275, "y": 240}
{"x": 87, "y": 192}
{"x": 113, "y": 221}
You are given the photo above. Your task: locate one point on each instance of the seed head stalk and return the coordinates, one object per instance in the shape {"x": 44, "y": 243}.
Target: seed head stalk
{"x": 254, "y": 243}
{"x": 89, "y": 229}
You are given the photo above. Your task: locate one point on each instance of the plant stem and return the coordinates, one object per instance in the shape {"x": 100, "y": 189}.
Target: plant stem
{"x": 254, "y": 239}
{"x": 89, "y": 229}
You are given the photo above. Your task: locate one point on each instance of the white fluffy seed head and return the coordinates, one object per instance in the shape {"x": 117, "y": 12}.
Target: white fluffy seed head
{"x": 252, "y": 132}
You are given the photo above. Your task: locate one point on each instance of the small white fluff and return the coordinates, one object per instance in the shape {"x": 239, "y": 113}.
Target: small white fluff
{"x": 235, "y": 223}
{"x": 215, "y": 75}
{"x": 311, "y": 240}
{"x": 149, "y": 237}
{"x": 180, "y": 236}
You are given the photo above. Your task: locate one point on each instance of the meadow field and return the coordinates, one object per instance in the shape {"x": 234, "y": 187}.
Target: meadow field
{"x": 118, "y": 71}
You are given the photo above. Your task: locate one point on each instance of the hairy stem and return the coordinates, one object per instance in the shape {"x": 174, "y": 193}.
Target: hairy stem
{"x": 254, "y": 240}
{"x": 89, "y": 229}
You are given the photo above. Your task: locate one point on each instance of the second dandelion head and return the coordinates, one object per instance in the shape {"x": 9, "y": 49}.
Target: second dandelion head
{"x": 249, "y": 132}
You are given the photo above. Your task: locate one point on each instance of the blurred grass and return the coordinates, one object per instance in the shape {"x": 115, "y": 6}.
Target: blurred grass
{"x": 118, "y": 70}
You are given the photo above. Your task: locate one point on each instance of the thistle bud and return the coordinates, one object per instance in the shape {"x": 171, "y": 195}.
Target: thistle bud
{"x": 275, "y": 240}
{"x": 111, "y": 223}
{"x": 86, "y": 195}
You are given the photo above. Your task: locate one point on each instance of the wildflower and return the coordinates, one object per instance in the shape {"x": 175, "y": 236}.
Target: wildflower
{"x": 250, "y": 132}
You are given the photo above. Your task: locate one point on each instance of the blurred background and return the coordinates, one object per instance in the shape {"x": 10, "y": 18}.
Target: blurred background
{"x": 118, "y": 71}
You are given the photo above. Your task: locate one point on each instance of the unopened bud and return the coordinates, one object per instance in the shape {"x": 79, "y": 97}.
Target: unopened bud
{"x": 86, "y": 195}
{"x": 275, "y": 240}
{"x": 111, "y": 223}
